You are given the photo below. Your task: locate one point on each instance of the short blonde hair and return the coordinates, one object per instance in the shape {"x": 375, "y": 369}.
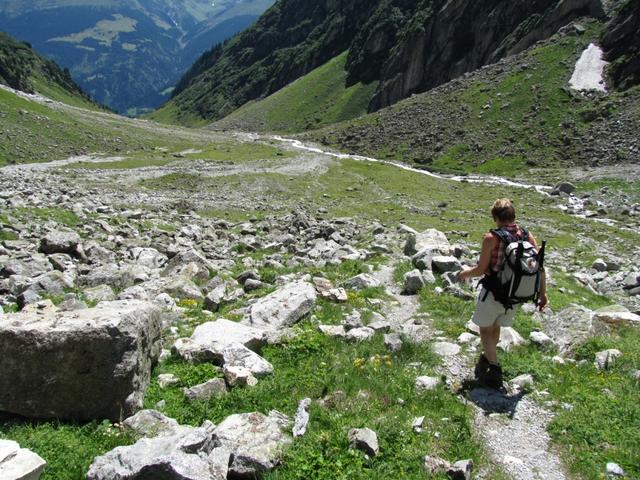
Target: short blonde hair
{"x": 503, "y": 210}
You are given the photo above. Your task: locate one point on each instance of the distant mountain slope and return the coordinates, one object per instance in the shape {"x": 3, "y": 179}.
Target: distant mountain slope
{"x": 318, "y": 99}
{"x": 127, "y": 53}
{"x": 405, "y": 46}
{"x": 23, "y": 69}
{"x": 506, "y": 118}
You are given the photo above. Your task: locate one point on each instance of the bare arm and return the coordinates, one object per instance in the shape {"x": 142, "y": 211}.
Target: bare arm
{"x": 488, "y": 243}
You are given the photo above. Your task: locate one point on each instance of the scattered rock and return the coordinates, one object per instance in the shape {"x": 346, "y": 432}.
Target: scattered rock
{"x": 614, "y": 470}
{"x": 284, "y": 307}
{"x": 237, "y": 355}
{"x": 364, "y": 439}
{"x": 302, "y": 418}
{"x": 256, "y": 441}
{"x": 205, "y": 391}
{"x": 362, "y": 281}
{"x": 333, "y": 330}
{"x": 209, "y": 340}
{"x": 606, "y": 358}
{"x": 151, "y": 423}
{"x": 19, "y": 463}
{"x": 360, "y": 334}
{"x": 393, "y": 342}
{"x": 522, "y": 381}
{"x": 446, "y": 349}
{"x": 425, "y": 383}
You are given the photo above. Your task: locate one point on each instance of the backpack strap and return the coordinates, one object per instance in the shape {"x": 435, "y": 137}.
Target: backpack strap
{"x": 502, "y": 235}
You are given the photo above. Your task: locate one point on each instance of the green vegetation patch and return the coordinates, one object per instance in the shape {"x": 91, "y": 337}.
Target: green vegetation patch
{"x": 317, "y": 99}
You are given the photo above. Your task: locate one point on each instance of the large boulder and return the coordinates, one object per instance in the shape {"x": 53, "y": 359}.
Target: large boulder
{"x": 255, "y": 440}
{"x": 430, "y": 239}
{"x": 19, "y": 463}
{"x": 60, "y": 242}
{"x": 569, "y": 326}
{"x": 209, "y": 340}
{"x": 182, "y": 454}
{"x": 284, "y": 307}
{"x": 83, "y": 365}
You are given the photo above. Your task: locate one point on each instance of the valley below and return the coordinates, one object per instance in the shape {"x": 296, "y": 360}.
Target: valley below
{"x": 277, "y": 286}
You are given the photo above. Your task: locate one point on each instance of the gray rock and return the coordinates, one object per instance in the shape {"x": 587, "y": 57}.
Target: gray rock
{"x": 522, "y": 381}
{"x": 96, "y": 362}
{"x": 187, "y": 455}
{"x": 60, "y": 242}
{"x": 101, "y": 293}
{"x": 563, "y": 187}
{"x": 208, "y": 340}
{"x": 360, "y": 334}
{"x": 167, "y": 379}
{"x": 190, "y": 263}
{"x": 541, "y": 340}
{"x": 333, "y": 330}
{"x": 614, "y": 470}
{"x": 284, "y": 307}
{"x": 393, "y": 342}
{"x": 302, "y": 418}
{"x": 428, "y": 240}
{"x": 446, "y": 349}
{"x": 510, "y": 338}
{"x": 435, "y": 465}
{"x": 225, "y": 293}
{"x": 599, "y": 265}
{"x": 413, "y": 282}
{"x": 362, "y": 281}
{"x": 207, "y": 390}
{"x": 256, "y": 441}
{"x": 151, "y": 423}
{"x": 19, "y": 463}
{"x": 353, "y": 320}
{"x": 148, "y": 257}
{"x": 237, "y": 355}
{"x": 183, "y": 289}
{"x": 364, "y": 439}
{"x": 239, "y": 376}
{"x": 442, "y": 263}
{"x": 606, "y": 358}
{"x": 568, "y": 327}
{"x": 460, "y": 470}
{"x": 616, "y": 316}
{"x": 425, "y": 383}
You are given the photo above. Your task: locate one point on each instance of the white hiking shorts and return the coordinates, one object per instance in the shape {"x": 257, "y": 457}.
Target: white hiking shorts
{"x": 489, "y": 312}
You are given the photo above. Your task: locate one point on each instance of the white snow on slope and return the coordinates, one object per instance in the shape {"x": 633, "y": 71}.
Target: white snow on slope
{"x": 588, "y": 74}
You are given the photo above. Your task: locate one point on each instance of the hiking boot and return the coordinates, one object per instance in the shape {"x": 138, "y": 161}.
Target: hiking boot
{"x": 482, "y": 368}
{"x": 493, "y": 378}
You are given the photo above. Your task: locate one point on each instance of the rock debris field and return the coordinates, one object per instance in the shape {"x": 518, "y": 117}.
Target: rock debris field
{"x": 93, "y": 303}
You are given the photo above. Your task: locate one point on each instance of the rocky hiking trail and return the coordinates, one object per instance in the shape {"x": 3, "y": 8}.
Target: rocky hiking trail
{"x": 512, "y": 426}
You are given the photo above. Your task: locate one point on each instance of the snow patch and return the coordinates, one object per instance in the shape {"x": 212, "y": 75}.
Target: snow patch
{"x": 588, "y": 74}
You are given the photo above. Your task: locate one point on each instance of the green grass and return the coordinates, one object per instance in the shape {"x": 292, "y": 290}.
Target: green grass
{"x": 67, "y": 448}
{"x": 58, "y": 215}
{"x": 313, "y": 365}
{"x": 603, "y": 424}
{"x": 317, "y": 99}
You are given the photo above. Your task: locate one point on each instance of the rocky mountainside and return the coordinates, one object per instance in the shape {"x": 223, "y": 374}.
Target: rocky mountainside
{"x": 621, "y": 40}
{"x": 127, "y": 55}
{"x": 23, "y": 69}
{"x": 517, "y": 115}
{"x": 404, "y": 46}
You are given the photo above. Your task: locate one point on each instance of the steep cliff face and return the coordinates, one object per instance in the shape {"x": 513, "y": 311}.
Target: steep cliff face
{"x": 448, "y": 38}
{"x": 621, "y": 41}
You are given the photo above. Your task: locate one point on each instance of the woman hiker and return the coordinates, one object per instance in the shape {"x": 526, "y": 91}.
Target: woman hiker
{"x": 490, "y": 314}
